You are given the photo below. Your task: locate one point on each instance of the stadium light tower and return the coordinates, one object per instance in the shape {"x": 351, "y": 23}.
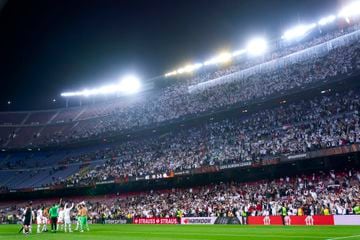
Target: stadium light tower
{"x": 327, "y": 20}
{"x": 256, "y": 46}
{"x": 351, "y": 10}
{"x": 129, "y": 84}
{"x": 223, "y": 57}
{"x": 298, "y": 31}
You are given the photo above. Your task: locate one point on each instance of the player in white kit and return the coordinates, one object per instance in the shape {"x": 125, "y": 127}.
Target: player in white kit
{"x": 40, "y": 219}
{"x": 60, "y": 221}
{"x": 266, "y": 219}
{"x": 67, "y": 217}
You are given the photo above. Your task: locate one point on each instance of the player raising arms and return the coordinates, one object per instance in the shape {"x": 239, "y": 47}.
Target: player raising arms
{"x": 67, "y": 217}
{"x": 60, "y": 222}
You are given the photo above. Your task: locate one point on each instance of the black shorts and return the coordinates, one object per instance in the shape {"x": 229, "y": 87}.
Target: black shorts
{"x": 27, "y": 221}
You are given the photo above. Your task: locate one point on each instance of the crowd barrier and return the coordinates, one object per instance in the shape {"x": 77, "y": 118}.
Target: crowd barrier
{"x": 251, "y": 220}
{"x": 277, "y": 220}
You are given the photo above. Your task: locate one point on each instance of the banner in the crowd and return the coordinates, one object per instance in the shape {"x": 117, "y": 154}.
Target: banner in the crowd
{"x": 105, "y": 182}
{"x": 291, "y": 220}
{"x": 41, "y": 188}
{"x": 323, "y": 153}
{"x": 235, "y": 165}
{"x": 198, "y": 220}
{"x": 155, "y": 220}
{"x": 347, "y": 219}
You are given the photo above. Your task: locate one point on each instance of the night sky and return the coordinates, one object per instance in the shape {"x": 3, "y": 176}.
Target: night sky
{"x": 47, "y": 47}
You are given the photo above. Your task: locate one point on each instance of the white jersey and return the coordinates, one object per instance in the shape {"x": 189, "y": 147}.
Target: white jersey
{"x": 39, "y": 214}
{"x": 67, "y": 217}
{"x": 61, "y": 214}
{"x": 266, "y": 213}
{"x": 67, "y": 212}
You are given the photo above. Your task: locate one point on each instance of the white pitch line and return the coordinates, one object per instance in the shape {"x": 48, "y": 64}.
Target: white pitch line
{"x": 343, "y": 237}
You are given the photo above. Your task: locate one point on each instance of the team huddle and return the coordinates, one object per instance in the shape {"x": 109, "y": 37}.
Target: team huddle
{"x": 58, "y": 215}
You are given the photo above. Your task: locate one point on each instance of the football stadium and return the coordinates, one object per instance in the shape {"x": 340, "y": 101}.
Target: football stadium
{"x": 104, "y": 135}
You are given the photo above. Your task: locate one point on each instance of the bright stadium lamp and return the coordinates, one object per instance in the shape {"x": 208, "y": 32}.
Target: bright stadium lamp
{"x": 187, "y": 69}
{"x": 170, "y": 73}
{"x": 326, "y": 20}
{"x": 238, "y": 52}
{"x": 298, "y": 31}
{"x": 256, "y": 46}
{"x": 353, "y": 9}
{"x": 129, "y": 85}
{"x": 221, "y": 58}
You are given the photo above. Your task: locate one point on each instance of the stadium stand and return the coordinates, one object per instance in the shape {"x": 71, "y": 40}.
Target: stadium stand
{"x": 244, "y": 114}
{"x": 313, "y": 66}
{"x": 336, "y": 191}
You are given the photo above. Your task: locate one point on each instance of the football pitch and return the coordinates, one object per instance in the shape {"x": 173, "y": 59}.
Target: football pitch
{"x": 211, "y": 232}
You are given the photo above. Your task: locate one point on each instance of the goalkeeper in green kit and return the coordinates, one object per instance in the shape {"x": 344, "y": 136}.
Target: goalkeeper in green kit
{"x": 54, "y": 213}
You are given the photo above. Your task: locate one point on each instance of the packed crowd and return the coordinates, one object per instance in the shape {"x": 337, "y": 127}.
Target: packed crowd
{"x": 321, "y": 193}
{"x": 309, "y": 125}
{"x": 279, "y": 50}
{"x": 175, "y": 101}
{"x": 337, "y": 192}
{"x": 327, "y": 121}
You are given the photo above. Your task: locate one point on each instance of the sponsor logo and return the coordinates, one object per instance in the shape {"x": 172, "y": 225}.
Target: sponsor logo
{"x": 198, "y": 220}
{"x": 155, "y": 221}
{"x": 298, "y": 156}
{"x": 119, "y": 221}
{"x": 235, "y": 165}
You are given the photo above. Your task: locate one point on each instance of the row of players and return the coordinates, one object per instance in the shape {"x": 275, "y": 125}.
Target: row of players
{"x": 58, "y": 215}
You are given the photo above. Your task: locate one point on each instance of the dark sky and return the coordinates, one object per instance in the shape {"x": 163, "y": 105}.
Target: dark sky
{"x": 47, "y": 47}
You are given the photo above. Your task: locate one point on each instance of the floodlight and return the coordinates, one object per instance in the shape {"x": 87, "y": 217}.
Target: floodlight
{"x": 298, "y": 31}
{"x": 256, "y": 46}
{"x": 129, "y": 84}
{"x": 170, "y": 73}
{"x": 353, "y": 9}
{"x": 326, "y": 20}
{"x": 238, "y": 52}
{"x": 221, "y": 58}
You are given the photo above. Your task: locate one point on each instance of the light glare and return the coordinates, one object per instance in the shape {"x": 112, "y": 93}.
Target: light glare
{"x": 127, "y": 85}
{"x": 221, "y": 58}
{"x": 256, "y": 46}
{"x": 238, "y": 52}
{"x": 353, "y": 9}
{"x": 298, "y": 31}
{"x": 326, "y": 20}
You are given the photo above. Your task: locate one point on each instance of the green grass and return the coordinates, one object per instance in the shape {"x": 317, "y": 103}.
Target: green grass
{"x": 193, "y": 232}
